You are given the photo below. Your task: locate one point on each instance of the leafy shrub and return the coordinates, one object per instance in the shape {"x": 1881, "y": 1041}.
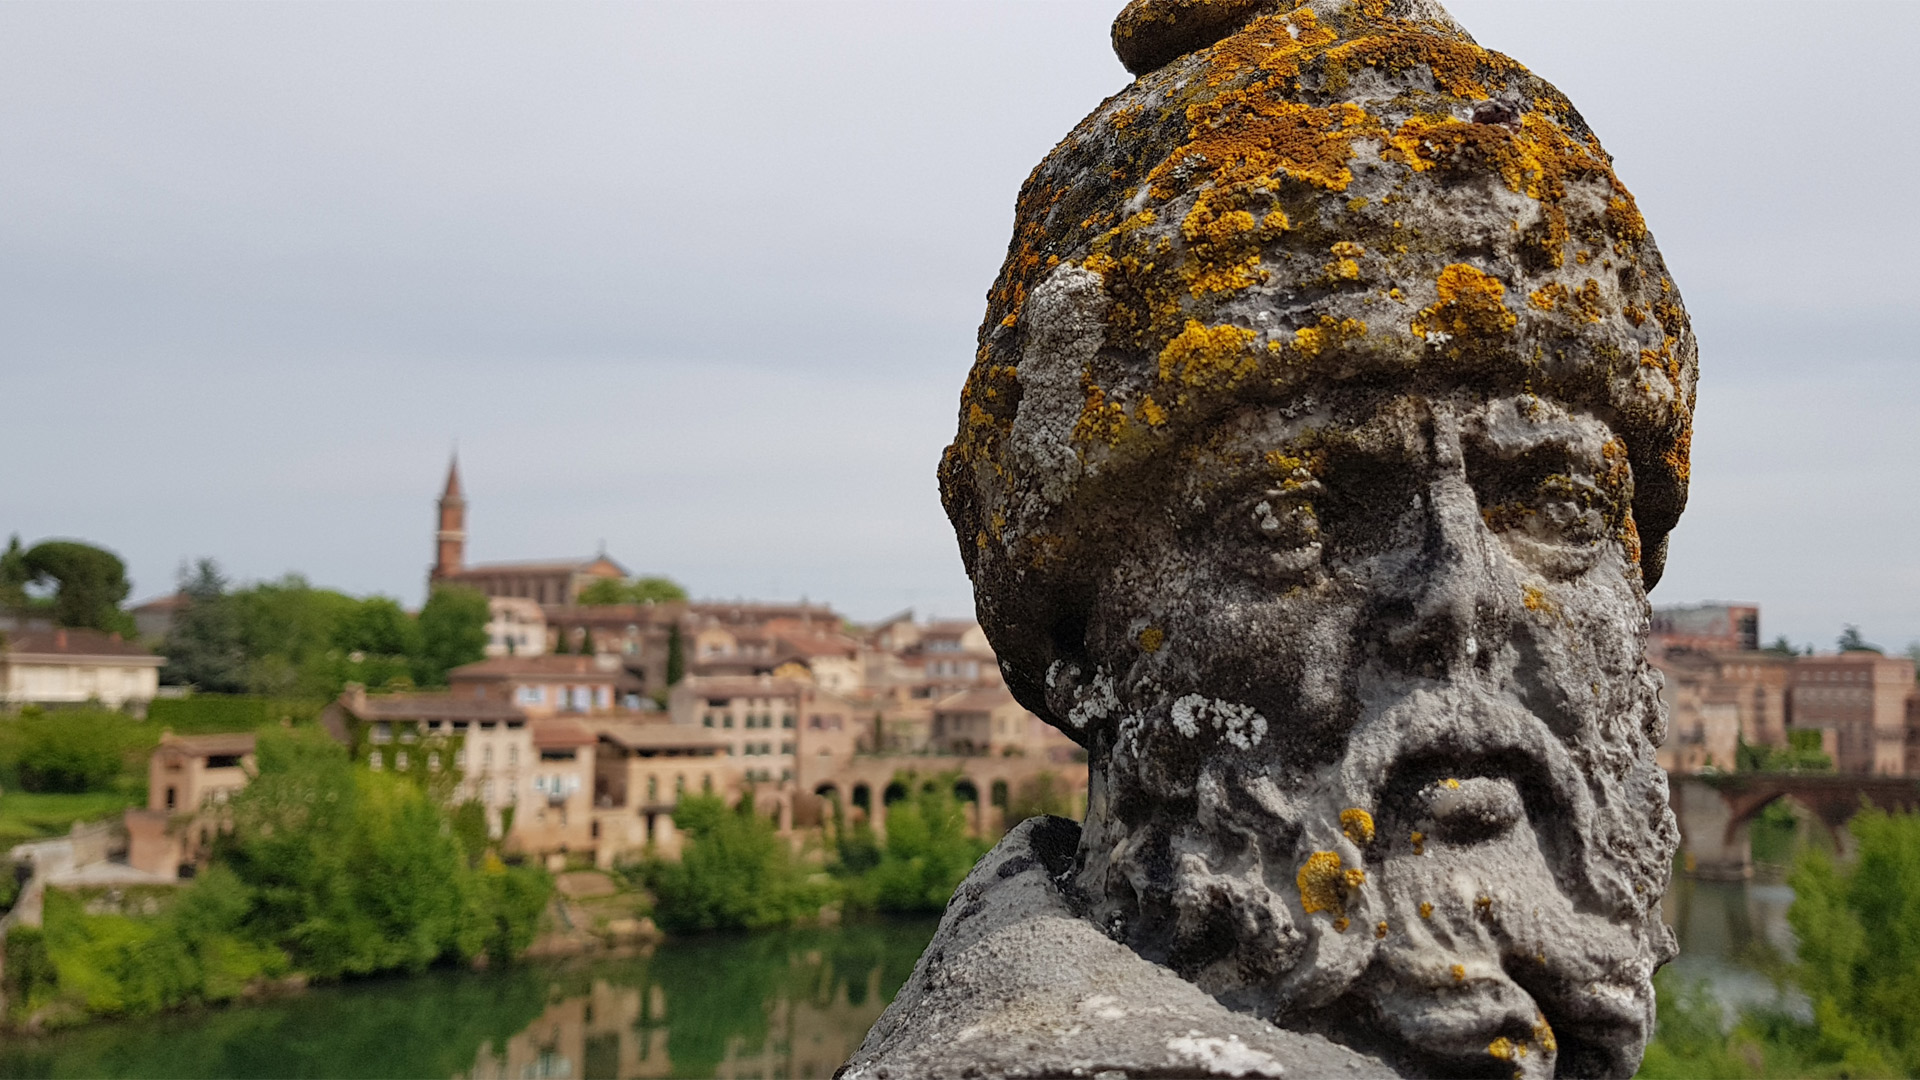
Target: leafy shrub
{"x": 71, "y": 751}
{"x": 735, "y": 872}
{"x": 928, "y": 850}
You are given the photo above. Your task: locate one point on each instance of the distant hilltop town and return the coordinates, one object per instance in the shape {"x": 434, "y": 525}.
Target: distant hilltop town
{"x": 587, "y": 721}
{"x": 600, "y": 699}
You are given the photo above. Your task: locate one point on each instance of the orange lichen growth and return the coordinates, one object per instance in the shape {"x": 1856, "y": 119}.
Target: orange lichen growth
{"x": 1543, "y": 1034}
{"x": 1380, "y": 929}
{"x": 1311, "y": 341}
{"x": 1534, "y": 598}
{"x": 1322, "y": 886}
{"x": 1459, "y": 973}
{"x": 1506, "y": 1049}
{"x": 1340, "y": 925}
{"x": 1152, "y": 638}
{"x": 1588, "y": 297}
{"x": 1100, "y": 420}
{"x": 1450, "y": 783}
{"x": 1426, "y": 909}
{"x": 1456, "y": 63}
{"x": 1358, "y": 825}
{"x": 1356, "y": 878}
{"x": 1419, "y": 848}
{"x": 1548, "y": 296}
{"x": 1472, "y": 304}
{"x": 1208, "y": 357}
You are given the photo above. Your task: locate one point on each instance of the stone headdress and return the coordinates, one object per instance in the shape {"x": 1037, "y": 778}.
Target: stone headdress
{"x": 1289, "y": 199}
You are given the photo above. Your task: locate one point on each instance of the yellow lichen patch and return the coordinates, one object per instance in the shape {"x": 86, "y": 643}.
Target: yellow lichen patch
{"x": 1548, "y": 296}
{"x": 1543, "y": 1034}
{"x": 1209, "y": 357}
{"x": 1472, "y": 304}
{"x": 1534, "y": 598}
{"x": 1321, "y": 883}
{"x": 1380, "y": 929}
{"x": 1311, "y": 341}
{"x": 1150, "y": 411}
{"x": 1340, "y": 925}
{"x": 1347, "y": 248}
{"x": 1624, "y": 220}
{"x": 1459, "y": 973}
{"x": 1419, "y": 845}
{"x": 1426, "y": 909}
{"x": 1358, "y": 825}
{"x": 1450, "y": 783}
{"x": 1100, "y": 420}
{"x": 1343, "y": 270}
{"x": 1152, "y": 638}
{"x": 1505, "y": 1049}
{"x": 1483, "y": 905}
{"x": 1589, "y": 299}
{"x": 1355, "y": 878}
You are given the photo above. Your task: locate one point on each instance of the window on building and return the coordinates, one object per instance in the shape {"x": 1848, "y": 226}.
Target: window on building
{"x": 513, "y": 756}
{"x": 532, "y": 695}
{"x": 374, "y": 762}
{"x": 653, "y": 788}
{"x": 679, "y": 786}
{"x": 786, "y": 748}
{"x": 460, "y": 757}
{"x": 486, "y": 757}
{"x": 400, "y": 760}
{"x": 726, "y": 721}
{"x": 382, "y": 733}
{"x": 786, "y": 721}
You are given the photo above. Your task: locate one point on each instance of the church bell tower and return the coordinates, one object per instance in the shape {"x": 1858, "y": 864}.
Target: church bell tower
{"x": 450, "y": 542}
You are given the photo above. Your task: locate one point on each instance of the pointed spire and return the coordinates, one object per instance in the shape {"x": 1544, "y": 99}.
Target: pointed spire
{"x": 453, "y": 478}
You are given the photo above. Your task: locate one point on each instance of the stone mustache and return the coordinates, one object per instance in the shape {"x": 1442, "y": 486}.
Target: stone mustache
{"x": 1329, "y": 417}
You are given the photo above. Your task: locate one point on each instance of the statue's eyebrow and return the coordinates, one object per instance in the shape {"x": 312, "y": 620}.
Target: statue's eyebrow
{"x": 1580, "y": 438}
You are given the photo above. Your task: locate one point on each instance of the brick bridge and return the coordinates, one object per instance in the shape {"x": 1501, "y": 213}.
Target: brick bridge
{"x": 868, "y": 784}
{"x": 1714, "y": 811}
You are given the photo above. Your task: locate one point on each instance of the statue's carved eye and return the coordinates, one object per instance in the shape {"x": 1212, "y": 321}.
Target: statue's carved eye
{"x": 1278, "y": 534}
{"x": 1547, "y": 501}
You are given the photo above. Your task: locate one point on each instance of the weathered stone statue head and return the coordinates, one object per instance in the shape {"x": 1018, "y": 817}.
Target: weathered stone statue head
{"x": 1329, "y": 417}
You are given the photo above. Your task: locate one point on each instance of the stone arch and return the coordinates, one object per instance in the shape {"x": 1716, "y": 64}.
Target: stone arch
{"x": 1000, "y": 796}
{"x": 828, "y": 790}
{"x": 862, "y": 797}
{"x": 894, "y": 793}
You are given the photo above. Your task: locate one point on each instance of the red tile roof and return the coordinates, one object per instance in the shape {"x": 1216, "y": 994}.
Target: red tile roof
{"x": 73, "y": 644}
{"x": 561, "y": 733}
{"x": 233, "y": 744}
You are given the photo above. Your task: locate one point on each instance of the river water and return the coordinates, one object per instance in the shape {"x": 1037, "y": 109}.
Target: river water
{"x": 791, "y": 1004}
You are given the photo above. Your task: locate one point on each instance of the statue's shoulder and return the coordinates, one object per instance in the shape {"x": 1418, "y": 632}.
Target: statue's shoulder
{"x": 1017, "y": 984}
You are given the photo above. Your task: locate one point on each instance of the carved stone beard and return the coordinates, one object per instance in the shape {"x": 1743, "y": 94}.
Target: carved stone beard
{"x": 1440, "y": 894}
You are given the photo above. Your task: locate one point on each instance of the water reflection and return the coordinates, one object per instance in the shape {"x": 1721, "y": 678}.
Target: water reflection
{"x": 1735, "y": 936}
{"x": 791, "y": 1004}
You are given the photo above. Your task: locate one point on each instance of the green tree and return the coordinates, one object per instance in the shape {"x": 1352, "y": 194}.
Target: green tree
{"x": 1851, "y": 641}
{"x": 73, "y": 751}
{"x": 657, "y": 590}
{"x": 88, "y": 583}
{"x": 587, "y": 647}
{"x": 1037, "y": 796}
{"x": 602, "y": 592}
{"x": 453, "y": 631}
{"x": 14, "y": 576}
{"x": 735, "y": 872}
{"x": 204, "y": 646}
{"x": 676, "y": 655}
{"x": 928, "y": 850}
{"x": 1858, "y": 928}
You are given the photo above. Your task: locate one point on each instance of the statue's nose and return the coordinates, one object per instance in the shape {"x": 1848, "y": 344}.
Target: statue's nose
{"x": 1453, "y": 613}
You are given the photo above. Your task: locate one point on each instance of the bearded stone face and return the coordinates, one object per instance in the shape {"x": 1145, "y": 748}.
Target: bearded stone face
{"x": 1329, "y": 418}
{"x": 1372, "y": 733}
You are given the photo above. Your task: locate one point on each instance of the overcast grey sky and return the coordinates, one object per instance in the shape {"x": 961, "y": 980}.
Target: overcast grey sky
{"x": 701, "y": 280}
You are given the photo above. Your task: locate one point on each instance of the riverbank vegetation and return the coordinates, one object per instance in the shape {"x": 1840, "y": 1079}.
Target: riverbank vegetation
{"x": 58, "y": 767}
{"x": 327, "y": 871}
{"x": 737, "y": 873}
{"x": 1857, "y": 924}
